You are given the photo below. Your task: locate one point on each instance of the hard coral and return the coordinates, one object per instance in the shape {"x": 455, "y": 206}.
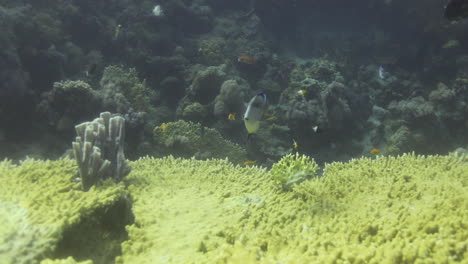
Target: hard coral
{"x": 230, "y": 98}
{"x": 122, "y": 89}
{"x": 69, "y": 102}
{"x": 187, "y": 139}
{"x": 212, "y": 51}
{"x": 414, "y": 109}
{"x": 207, "y": 83}
{"x": 390, "y": 209}
{"x": 41, "y": 203}
{"x": 448, "y": 103}
{"x": 292, "y": 169}
{"x": 195, "y": 112}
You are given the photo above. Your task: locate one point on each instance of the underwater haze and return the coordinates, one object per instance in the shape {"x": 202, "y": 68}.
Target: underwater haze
{"x": 246, "y": 131}
{"x": 386, "y": 75}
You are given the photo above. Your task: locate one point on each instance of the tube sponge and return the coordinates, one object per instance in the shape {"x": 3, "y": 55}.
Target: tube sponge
{"x": 98, "y": 149}
{"x": 292, "y": 169}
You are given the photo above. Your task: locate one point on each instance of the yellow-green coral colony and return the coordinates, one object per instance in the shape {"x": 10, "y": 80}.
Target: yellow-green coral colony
{"x": 407, "y": 209}
{"x": 292, "y": 169}
{"x": 40, "y": 201}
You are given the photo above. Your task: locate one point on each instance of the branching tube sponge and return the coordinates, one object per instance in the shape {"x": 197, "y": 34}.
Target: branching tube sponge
{"x": 292, "y": 169}
{"x": 99, "y": 149}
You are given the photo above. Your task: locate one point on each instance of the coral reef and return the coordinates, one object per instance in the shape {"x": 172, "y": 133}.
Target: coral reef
{"x": 122, "y": 89}
{"x": 449, "y": 104}
{"x": 195, "y": 112}
{"x": 271, "y": 143}
{"x": 43, "y": 209}
{"x": 413, "y": 110}
{"x": 68, "y": 103}
{"x": 230, "y": 99}
{"x": 212, "y": 198}
{"x": 207, "y": 83}
{"x": 187, "y": 139}
{"x": 389, "y": 209}
{"x": 212, "y": 51}
{"x": 327, "y": 102}
{"x": 212, "y": 211}
{"x": 179, "y": 61}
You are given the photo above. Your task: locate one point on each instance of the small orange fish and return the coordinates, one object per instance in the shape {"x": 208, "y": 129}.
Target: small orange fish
{"x": 374, "y": 151}
{"x": 164, "y": 127}
{"x": 249, "y": 162}
{"x": 246, "y": 59}
{"x": 232, "y": 116}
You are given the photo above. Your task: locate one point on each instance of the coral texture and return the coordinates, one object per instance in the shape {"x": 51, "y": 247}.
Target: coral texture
{"x": 403, "y": 209}
{"x": 187, "y": 139}
{"x": 121, "y": 89}
{"x": 39, "y": 202}
{"x": 69, "y": 102}
{"x": 292, "y": 169}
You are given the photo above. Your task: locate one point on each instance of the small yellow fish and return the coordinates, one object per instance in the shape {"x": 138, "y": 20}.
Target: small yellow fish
{"x": 374, "y": 151}
{"x": 295, "y": 145}
{"x": 249, "y": 162}
{"x": 117, "y": 31}
{"x": 164, "y": 127}
{"x": 302, "y": 92}
{"x": 232, "y": 116}
{"x": 271, "y": 118}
